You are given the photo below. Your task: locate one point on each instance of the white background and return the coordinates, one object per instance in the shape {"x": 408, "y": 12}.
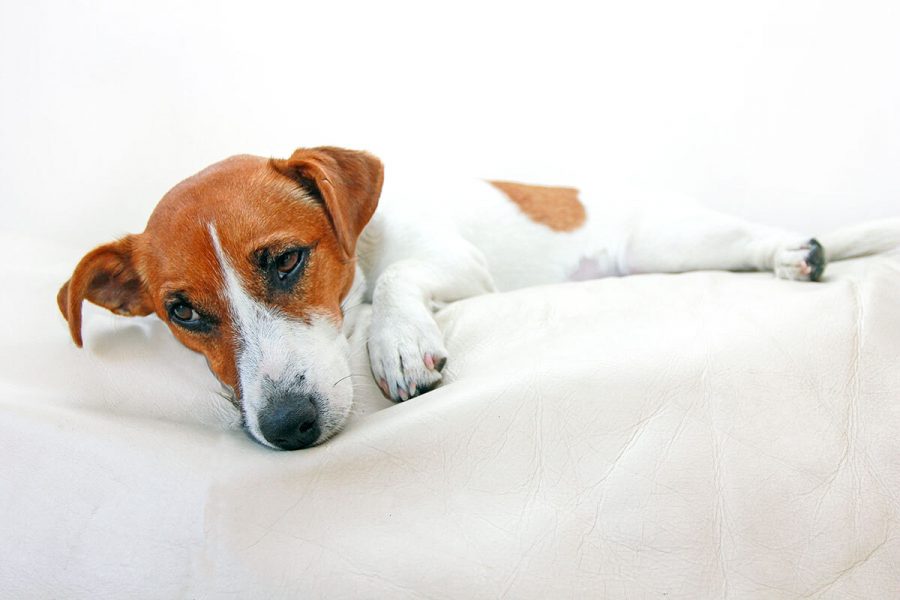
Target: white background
{"x": 785, "y": 112}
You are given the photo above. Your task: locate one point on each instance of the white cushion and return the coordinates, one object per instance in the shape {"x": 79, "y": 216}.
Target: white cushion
{"x": 687, "y": 435}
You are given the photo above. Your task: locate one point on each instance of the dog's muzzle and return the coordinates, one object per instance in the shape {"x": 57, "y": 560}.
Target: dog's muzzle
{"x": 290, "y": 421}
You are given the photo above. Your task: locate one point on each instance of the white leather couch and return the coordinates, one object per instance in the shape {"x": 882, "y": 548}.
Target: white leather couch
{"x": 682, "y": 436}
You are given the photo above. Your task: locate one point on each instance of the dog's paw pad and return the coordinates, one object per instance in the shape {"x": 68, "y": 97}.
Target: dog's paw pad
{"x": 803, "y": 262}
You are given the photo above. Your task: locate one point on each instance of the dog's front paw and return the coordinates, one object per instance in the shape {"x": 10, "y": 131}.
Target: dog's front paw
{"x": 802, "y": 262}
{"x": 407, "y": 355}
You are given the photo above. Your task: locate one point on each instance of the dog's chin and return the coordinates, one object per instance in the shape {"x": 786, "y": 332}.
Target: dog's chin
{"x": 332, "y": 430}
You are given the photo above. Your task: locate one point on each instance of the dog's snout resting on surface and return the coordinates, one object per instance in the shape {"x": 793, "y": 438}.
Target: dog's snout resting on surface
{"x": 290, "y": 421}
{"x": 254, "y": 263}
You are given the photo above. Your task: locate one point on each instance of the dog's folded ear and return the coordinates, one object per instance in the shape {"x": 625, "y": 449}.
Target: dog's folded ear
{"x": 347, "y": 181}
{"x": 106, "y": 276}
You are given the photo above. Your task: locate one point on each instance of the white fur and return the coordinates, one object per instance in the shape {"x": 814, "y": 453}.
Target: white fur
{"x": 439, "y": 242}
{"x": 432, "y": 244}
{"x": 302, "y": 357}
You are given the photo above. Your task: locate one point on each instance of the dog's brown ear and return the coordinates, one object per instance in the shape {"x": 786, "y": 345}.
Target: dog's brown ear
{"x": 106, "y": 276}
{"x": 348, "y": 181}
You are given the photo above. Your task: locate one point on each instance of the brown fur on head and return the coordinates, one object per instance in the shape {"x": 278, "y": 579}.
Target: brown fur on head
{"x": 319, "y": 198}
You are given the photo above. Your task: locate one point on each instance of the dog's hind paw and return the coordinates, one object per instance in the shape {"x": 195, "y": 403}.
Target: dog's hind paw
{"x": 802, "y": 262}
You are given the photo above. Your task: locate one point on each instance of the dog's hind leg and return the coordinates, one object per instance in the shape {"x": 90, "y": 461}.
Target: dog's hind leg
{"x": 694, "y": 239}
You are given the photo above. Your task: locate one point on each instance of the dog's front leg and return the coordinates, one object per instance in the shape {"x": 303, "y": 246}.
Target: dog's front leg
{"x": 406, "y": 347}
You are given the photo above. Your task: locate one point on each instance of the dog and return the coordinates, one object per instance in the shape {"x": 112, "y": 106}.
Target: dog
{"x": 254, "y": 262}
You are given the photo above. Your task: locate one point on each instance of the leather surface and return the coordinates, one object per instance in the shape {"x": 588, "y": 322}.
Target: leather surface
{"x": 682, "y": 436}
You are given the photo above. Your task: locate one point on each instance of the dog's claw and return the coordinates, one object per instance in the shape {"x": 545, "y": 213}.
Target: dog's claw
{"x": 803, "y": 262}
{"x": 435, "y": 365}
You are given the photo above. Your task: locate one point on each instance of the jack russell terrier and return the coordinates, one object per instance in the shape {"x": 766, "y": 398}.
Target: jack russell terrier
{"x": 253, "y": 261}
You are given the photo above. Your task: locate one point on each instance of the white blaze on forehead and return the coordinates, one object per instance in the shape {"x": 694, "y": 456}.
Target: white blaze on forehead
{"x": 274, "y": 350}
{"x": 254, "y": 323}
{"x": 251, "y": 321}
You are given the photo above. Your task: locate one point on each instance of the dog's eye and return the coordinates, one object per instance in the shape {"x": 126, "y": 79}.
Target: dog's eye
{"x": 184, "y": 313}
{"x": 282, "y": 268}
{"x": 287, "y": 262}
{"x": 287, "y": 266}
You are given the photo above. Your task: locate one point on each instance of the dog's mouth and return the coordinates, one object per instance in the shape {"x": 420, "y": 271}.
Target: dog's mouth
{"x": 225, "y": 391}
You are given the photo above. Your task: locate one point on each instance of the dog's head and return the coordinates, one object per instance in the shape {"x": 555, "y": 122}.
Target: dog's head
{"x": 248, "y": 262}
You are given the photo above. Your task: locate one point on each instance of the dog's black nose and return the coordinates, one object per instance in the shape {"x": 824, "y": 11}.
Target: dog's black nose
{"x": 290, "y": 421}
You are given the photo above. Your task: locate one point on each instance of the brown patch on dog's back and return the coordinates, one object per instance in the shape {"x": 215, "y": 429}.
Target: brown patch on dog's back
{"x": 556, "y": 207}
